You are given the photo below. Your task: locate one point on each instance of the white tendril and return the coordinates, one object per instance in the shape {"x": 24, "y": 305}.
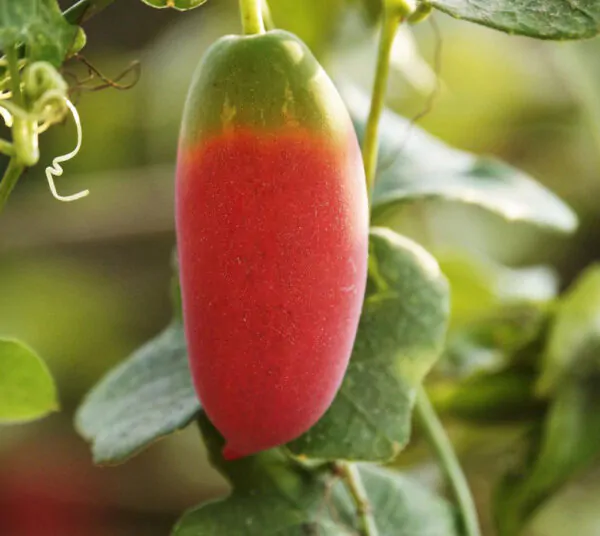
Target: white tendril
{"x": 6, "y": 116}
{"x": 55, "y": 170}
{"x": 9, "y": 110}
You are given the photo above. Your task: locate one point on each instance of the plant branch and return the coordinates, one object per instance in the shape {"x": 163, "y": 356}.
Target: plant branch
{"x": 370, "y": 149}
{"x": 439, "y": 442}
{"x": 351, "y": 476}
{"x": 84, "y": 10}
{"x": 11, "y": 176}
{"x": 252, "y": 16}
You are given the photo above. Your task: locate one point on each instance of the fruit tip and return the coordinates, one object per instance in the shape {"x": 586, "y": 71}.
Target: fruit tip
{"x": 230, "y": 454}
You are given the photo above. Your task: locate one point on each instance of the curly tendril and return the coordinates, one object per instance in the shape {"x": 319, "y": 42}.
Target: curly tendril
{"x": 55, "y": 170}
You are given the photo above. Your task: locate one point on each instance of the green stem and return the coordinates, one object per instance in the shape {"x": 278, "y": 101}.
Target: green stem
{"x": 421, "y": 13}
{"x": 442, "y": 446}
{"x": 349, "y": 472}
{"x": 12, "y": 59}
{"x": 370, "y": 149}
{"x": 9, "y": 179}
{"x": 84, "y": 10}
{"x": 252, "y": 20}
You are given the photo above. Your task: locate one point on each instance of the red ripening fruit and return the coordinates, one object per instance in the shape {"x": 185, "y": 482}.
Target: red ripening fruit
{"x": 272, "y": 231}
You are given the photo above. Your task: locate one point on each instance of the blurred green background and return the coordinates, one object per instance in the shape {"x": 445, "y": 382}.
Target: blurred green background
{"x": 86, "y": 283}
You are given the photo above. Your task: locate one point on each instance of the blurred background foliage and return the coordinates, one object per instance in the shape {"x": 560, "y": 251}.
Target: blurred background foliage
{"x": 85, "y": 284}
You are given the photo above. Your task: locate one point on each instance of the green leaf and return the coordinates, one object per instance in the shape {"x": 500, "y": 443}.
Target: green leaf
{"x": 504, "y": 396}
{"x": 569, "y": 441}
{"x": 27, "y": 390}
{"x": 543, "y": 19}
{"x": 576, "y": 327}
{"x": 495, "y": 310}
{"x": 480, "y": 285}
{"x": 414, "y": 165}
{"x": 400, "y": 336}
{"x": 179, "y": 5}
{"x": 509, "y": 333}
{"x": 272, "y": 495}
{"x": 145, "y": 398}
{"x": 40, "y": 26}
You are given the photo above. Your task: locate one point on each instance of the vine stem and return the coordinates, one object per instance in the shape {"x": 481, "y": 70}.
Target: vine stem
{"x": 349, "y": 472}
{"x": 252, "y": 16}
{"x": 370, "y": 148}
{"x": 447, "y": 459}
{"x": 15, "y": 168}
{"x": 12, "y": 59}
{"x": 394, "y": 14}
{"x": 9, "y": 179}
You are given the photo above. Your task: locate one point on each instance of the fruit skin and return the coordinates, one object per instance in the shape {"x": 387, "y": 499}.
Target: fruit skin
{"x": 272, "y": 230}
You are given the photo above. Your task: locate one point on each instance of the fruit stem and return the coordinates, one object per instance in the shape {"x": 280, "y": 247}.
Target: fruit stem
{"x": 9, "y": 179}
{"x": 252, "y": 16}
{"x": 370, "y": 149}
{"x": 349, "y": 472}
{"x": 440, "y": 443}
